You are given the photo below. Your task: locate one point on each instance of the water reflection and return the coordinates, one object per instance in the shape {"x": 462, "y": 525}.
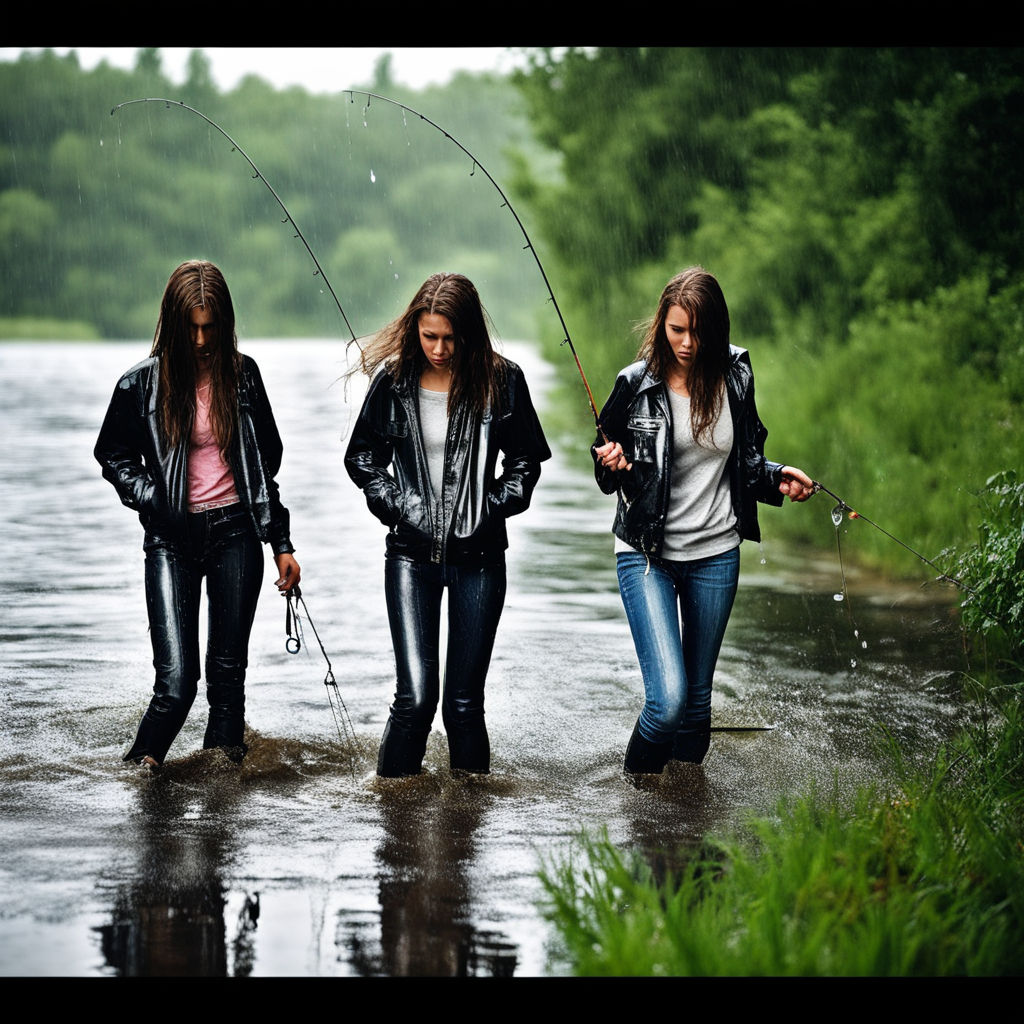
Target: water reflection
{"x": 425, "y": 861}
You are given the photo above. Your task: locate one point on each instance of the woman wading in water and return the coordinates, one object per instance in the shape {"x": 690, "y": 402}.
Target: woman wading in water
{"x": 441, "y": 409}
{"x": 189, "y": 442}
{"x": 688, "y": 463}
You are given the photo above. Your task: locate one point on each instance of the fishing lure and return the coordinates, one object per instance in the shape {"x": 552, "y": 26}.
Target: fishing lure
{"x": 842, "y": 509}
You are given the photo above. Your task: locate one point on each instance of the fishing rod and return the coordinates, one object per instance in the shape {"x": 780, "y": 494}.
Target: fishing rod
{"x": 567, "y": 339}
{"x": 842, "y": 509}
{"x": 293, "y": 629}
{"x": 256, "y": 174}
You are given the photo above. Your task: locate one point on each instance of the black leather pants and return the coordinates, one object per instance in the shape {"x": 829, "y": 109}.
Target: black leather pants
{"x": 476, "y": 596}
{"x": 222, "y": 546}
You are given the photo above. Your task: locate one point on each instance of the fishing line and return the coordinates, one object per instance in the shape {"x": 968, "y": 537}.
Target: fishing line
{"x": 842, "y": 511}
{"x": 256, "y": 174}
{"x": 505, "y": 202}
{"x": 293, "y": 629}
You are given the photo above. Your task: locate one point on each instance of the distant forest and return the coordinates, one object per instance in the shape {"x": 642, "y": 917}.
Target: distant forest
{"x": 96, "y": 209}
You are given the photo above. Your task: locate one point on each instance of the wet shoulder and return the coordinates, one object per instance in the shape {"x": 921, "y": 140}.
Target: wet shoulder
{"x": 634, "y": 373}
{"x": 141, "y": 373}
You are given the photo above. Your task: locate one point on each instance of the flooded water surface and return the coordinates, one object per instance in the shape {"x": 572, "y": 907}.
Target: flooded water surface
{"x": 301, "y": 862}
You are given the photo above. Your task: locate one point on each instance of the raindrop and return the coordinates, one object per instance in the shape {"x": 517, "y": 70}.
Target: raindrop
{"x": 864, "y": 644}
{"x": 837, "y": 516}
{"x": 853, "y": 663}
{"x": 837, "y": 597}
{"x": 373, "y": 178}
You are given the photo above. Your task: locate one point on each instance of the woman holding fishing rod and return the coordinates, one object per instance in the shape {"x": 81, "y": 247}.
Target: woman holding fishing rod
{"x": 441, "y": 408}
{"x": 686, "y": 457}
{"x": 189, "y": 442}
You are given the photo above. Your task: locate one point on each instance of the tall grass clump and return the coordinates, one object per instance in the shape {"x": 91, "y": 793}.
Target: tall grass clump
{"x": 923, "y": 876}
{"x": 925, "y": 880}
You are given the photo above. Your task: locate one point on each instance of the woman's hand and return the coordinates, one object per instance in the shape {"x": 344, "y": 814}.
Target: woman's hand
{"x": 796, "y": 483}
{"x": 289, "y": 572}
{"x": 611, "y": 456}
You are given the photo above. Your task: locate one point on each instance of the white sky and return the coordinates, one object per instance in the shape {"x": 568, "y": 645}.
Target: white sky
{"x": 318, "y": 69}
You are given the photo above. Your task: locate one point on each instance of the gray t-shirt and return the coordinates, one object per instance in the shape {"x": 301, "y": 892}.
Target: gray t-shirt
{"x": 434, "y": 428}
{"x": 700, "y": 520}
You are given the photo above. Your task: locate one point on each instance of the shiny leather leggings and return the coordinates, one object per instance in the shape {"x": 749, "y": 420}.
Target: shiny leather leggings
{"x": 222, "y": 546}
{"x": 476, "y": 595}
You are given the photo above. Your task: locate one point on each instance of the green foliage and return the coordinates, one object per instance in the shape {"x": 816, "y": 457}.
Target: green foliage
{"x": 994, "y": 566}
{"x": 927, "y": 880}
{"x": 96, "y": 210}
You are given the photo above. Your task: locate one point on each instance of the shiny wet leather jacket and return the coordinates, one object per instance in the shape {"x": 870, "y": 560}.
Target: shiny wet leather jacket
{"x": 386, "y": 459}
{"x": 638, "y": 416}
{"x": 152, "y": 479}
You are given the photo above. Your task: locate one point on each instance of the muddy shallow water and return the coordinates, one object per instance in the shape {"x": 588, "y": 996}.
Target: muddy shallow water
{"x": 302, "y": 862}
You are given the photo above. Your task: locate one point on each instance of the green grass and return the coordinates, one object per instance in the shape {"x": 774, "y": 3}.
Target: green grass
{"x": 28, "y": 328}
{"x": 925, "y": 878}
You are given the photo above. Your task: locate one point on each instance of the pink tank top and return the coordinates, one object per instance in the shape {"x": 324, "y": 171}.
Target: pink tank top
{"x": 211, "y": 483}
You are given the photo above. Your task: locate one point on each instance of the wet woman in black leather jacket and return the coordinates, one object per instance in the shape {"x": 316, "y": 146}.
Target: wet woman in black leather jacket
{"x": 686, "y": 458}
{"x": 189, "y": 442}
{"x": 440, "y": 410}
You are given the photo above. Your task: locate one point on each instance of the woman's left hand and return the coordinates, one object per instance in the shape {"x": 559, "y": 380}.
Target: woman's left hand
{"x": 796, "y": 483}
{"x": 289, "y": 572}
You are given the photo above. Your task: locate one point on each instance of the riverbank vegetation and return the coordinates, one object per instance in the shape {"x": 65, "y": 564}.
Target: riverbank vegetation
{"x": 923, "y": 876}
{"x": 862, "y": 209}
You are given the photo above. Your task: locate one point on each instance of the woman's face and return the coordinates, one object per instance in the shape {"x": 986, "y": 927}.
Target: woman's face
{"x": 437, "y": 340}
{"x": 203, "y": 334}
{"x": 681, "y": 338}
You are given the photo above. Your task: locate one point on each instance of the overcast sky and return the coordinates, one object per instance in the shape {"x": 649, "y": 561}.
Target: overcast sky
{"x": 318, "y": 69}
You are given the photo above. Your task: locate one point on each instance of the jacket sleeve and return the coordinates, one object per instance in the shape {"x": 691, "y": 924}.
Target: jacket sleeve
{"x": 613, "y": 419}
{"x": 271, "y": 450}
{"x": 369, "y": 454}
{"x": 119, "y": 449}
{"x": 523, "y": 448}
{"x": 761, "y": 476}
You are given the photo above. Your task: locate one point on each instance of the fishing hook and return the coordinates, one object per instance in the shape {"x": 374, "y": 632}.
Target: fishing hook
{"x": 567, "y": 339}
{"x": 293, "y": 644}
{"x": 842, "y": 508}
{"x": 256, "y": 174}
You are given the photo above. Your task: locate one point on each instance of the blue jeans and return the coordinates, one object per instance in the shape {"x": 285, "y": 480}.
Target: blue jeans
{"x": 221, "y": 544}
{"x": 476, "y": 596}
{"x": 677, "y": 612}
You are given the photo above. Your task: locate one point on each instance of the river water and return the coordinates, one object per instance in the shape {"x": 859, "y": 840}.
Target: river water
{"x": 302, "y": 862}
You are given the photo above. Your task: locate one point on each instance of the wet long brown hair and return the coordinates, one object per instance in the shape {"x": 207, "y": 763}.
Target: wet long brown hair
{"x": 196, "y": 283}
{"x": 700, "y": 295}
{"x": 476, "y": 367}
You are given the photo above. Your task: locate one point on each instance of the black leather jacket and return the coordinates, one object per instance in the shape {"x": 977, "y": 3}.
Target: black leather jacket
{"x": 638, "y": 416}
{"x": 472, "y": 500}
{"x": 152, "y": 479}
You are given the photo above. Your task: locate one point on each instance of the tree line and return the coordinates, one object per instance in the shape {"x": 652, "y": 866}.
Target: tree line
{"x": 96, "y": 209}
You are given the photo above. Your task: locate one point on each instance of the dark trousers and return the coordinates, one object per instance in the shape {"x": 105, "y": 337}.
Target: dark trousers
{"x": 476, "y": 596}
{"x": 221, "y": 545}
